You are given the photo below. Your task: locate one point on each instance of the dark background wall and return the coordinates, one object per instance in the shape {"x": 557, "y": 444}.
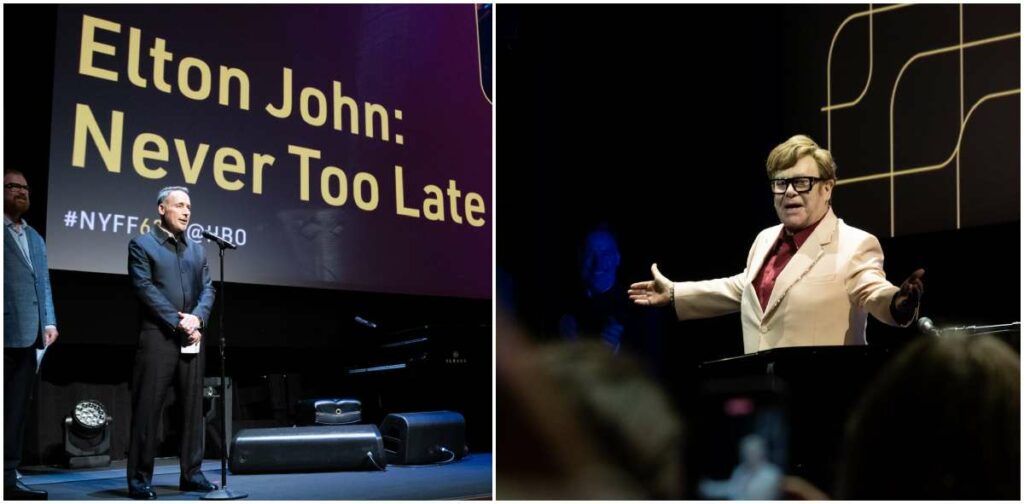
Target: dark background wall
{"x": 285, "y": 344}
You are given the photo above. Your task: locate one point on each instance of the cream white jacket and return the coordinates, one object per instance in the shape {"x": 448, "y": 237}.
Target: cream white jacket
{"x": 821, "y": 297}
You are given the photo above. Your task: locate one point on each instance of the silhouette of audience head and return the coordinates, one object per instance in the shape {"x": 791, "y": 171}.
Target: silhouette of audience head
{"x": 941, "y": 421}
{"x": 578, "y": 422}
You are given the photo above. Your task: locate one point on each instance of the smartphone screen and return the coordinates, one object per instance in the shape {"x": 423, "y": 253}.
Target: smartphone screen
{"x": 739, "y": 441}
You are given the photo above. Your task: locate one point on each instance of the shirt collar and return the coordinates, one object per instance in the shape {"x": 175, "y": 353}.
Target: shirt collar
{"x": 801, "y": 236}
{"x": 162, "y": 234}
{"x": 9, "y": 223}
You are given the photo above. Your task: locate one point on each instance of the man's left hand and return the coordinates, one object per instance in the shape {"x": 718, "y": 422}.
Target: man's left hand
{"x": 188, "y": 322}
{"x": 907, "y": 300}
{"x": 49, "y": 336}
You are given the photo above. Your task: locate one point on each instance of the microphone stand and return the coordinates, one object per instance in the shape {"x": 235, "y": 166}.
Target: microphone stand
{"x": 223, "y": 493}
{"x": 988, "y": 329}
{"x": 926, "y": 326}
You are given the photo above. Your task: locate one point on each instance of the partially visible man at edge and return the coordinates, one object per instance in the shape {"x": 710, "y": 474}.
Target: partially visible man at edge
{"x": 29, "y": 323}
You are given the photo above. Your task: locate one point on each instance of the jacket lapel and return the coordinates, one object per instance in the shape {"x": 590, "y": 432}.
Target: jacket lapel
{"x": 802, "y": 261}
{"x": 11, "y": 244}
{"x": 761, "y": 250}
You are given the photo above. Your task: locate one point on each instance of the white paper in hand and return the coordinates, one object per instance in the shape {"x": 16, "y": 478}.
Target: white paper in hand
{"x": 191, "y": 349}
{"x": 39, "y": 358}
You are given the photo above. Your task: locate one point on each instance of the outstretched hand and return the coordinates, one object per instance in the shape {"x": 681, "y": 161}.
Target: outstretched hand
{"x": 657, "y": 292}
{"x": 908, "y": 298}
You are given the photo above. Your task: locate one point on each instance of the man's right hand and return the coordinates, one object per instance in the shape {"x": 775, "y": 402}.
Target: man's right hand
{"x": 188, "y": 322}
{"x": 194, "y": 337}
{"x": 657, "y": 292}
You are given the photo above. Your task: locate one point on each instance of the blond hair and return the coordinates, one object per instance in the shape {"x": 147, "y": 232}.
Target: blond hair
{"x": 787, "y": 153}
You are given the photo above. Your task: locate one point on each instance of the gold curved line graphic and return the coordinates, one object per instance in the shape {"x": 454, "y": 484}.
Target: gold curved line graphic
{"x": 871, "y": 57}
{"x": 871, "y": 54}
{"x": 956, "y": 150}
{"x": 892, "y": 103}
{"x": 960, "y": 17}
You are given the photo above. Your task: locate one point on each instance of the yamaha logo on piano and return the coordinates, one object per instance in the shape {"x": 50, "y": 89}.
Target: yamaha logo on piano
{"x": 455, "y": 359}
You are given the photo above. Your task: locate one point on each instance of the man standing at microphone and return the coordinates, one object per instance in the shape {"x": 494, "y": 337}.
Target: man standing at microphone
{"x": 172, "y": 283}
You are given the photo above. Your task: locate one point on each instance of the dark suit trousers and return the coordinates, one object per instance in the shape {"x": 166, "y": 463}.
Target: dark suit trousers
{"x": 19, "y": 376}
{"x": 159, "y": 365}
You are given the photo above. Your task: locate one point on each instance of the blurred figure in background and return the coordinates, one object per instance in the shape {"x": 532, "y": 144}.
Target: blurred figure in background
{"x": 755, "y": 478}
{"x": 598, "y": 307}
{"x": 941, "y": 421}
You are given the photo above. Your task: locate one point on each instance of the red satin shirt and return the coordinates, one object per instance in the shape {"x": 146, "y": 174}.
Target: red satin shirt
{"x": 778, "y": 257}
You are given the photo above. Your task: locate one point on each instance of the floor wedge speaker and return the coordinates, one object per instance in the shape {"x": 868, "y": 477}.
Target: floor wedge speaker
{"x": 427, "y": 437}
{"x": 307, "y": 449}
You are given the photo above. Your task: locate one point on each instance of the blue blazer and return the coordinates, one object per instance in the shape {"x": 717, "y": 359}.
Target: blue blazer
{"x": 169, "y": 277}
{"x": 28, "y": 302}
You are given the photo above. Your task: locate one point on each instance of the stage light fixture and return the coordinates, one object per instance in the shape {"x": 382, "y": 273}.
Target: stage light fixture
{"x": 87, "y": 435}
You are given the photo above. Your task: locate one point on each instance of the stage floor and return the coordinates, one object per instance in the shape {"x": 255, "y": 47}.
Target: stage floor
{"x": 469, "y": 478}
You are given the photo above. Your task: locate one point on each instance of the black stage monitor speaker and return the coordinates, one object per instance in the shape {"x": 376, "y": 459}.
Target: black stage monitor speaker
{"x": 307, "y": 449}
{"x": 424, "y": 438}
{"x": 329, "y": 411}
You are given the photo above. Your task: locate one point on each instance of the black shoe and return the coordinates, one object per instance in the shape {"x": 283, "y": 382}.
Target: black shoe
{"x": 200, "y": 485}
{"x": 142, "y": 493}
{"x": 18, "y": 491}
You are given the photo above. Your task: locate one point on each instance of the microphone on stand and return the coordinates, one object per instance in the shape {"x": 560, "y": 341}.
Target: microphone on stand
{"x": 221, "y": 242}
{"x": 926, "y": 326}
{"x": 365, "y": 323}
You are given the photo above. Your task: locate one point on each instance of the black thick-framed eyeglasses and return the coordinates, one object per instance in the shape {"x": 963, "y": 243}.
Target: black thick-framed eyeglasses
{"x": 13, "y": 186}
{"x": 800, "y": 184}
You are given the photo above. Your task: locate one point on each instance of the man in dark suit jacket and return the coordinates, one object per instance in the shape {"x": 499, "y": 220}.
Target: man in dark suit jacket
{"x": 172, "y": 282}
{"x": 29, "y": 323}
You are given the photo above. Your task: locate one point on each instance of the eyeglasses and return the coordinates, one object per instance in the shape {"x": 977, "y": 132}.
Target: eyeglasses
{"x": 12, "y": 186}
{"x": 800, "y": 184}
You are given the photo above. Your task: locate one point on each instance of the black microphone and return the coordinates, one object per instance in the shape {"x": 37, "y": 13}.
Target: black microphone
{"x": 926, "y": 326}
{"x": 366, "y": 323}
{"x": 222, "y": 243}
